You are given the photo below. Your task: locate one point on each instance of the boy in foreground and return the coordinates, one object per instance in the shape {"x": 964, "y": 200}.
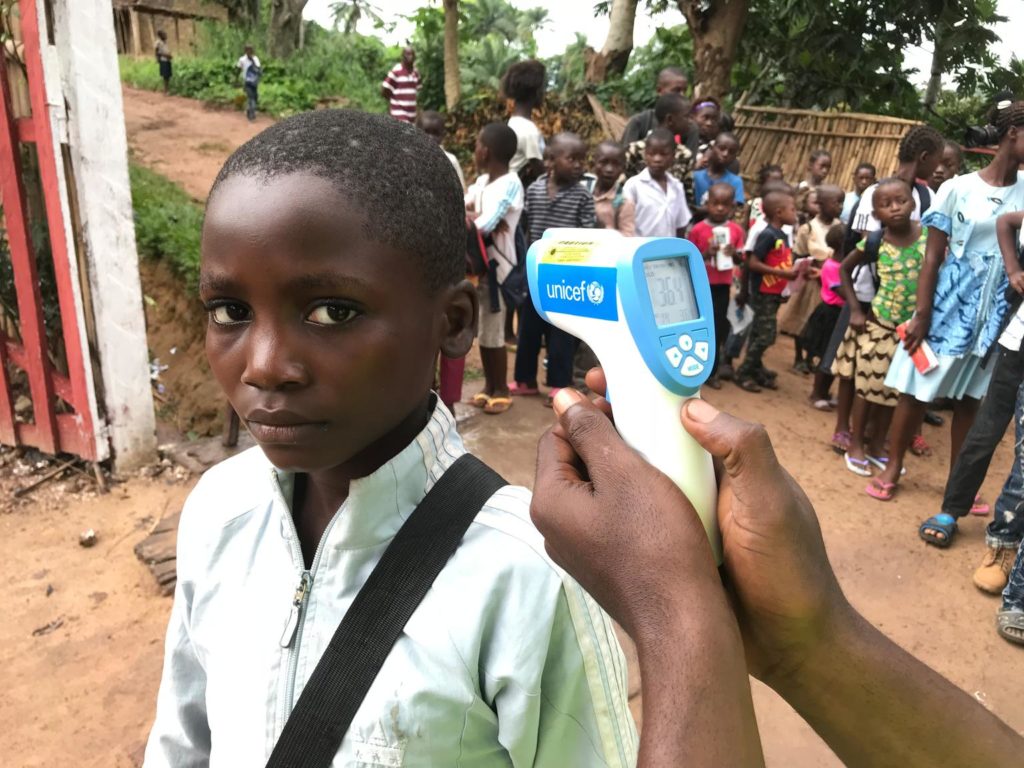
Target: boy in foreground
{"x": 331, "y": 281}
{"x": 659, "y": 197}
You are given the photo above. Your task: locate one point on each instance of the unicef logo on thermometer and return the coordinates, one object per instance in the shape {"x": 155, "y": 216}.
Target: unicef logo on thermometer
{"x": 592, "y": 291}
{"x": 578, "y": 290}
{"x": 595, "y": 292}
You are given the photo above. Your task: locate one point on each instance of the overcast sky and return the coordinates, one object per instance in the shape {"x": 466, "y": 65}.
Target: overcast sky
{"x": 570, "y": 16}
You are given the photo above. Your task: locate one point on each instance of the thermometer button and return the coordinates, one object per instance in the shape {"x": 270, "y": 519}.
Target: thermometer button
{"x": 691, "y": 367}
{"x": 675, "y": 357}
{"x": 701, "y": 350}
{"x": 685, "y": 343}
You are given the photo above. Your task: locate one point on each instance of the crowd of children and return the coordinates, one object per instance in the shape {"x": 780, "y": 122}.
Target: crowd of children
{"x": 862, "y": 280}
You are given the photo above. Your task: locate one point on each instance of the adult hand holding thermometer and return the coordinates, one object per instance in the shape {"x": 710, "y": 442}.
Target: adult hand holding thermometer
{"x": 644, "y": 307}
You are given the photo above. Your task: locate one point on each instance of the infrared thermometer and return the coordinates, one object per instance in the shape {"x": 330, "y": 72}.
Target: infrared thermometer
{"x": 644, "y": 306}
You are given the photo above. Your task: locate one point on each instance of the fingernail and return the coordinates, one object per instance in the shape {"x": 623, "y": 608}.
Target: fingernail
{"x": 566, "y": 398}
{"x": 701, "y": 411}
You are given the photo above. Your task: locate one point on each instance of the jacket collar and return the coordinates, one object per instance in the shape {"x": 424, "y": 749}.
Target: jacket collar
{"x": 378, "y": 504}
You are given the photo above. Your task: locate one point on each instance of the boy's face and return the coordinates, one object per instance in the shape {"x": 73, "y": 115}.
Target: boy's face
{"x": 323, "y": 340}
{"x": 894, "y": 205}
{"x": 720, "y": 205}
{"x": 787, "y": 210}
{"x": 481, "y": 156}
{"x": 658, "y": 156}
{"x": 724, "y": 152}
{"x": 669, "y": 83}
{"x": 927, "y": 162}
{"x": 608, "y": 165}
{"x": 948, "y": 167}
{"x": 568, "y": 162}
{"x": 863, "y": 179}
{"x": 829, "y": 206}
{"x": 820, "y": 168}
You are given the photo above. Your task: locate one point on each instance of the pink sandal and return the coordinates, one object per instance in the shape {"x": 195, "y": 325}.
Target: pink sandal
{"x": 522, "y": 390}
{"x": 880, "y": 490}
{"x": 841, "y": 442}
{"x": 980, "y": 508}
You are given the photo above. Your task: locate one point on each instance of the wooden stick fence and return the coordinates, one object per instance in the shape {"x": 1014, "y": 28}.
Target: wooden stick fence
{"x": 788, "y": 136}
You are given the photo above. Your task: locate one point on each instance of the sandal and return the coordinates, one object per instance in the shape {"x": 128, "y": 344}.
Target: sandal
{"x": 822, "y": 405}
{"x": 550, "y": 402}
{"x": 747, "y": 385}
{"x": 882, "y": 462}
{"x": 943, "y": 523}
{"x": 480, "y": 399}
{"x": 880, "y": 490}
{"x": 496, "y": 405}
{"x": 919, "y": 447}
{"x": 841, "y": 441}
{"x": 518, "y": 389}
{"x": 1010, "y": 626}
{"x": 980, "y": 508}
{"x": 857, "y": 466}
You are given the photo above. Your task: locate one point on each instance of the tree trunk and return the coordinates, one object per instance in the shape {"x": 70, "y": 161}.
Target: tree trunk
{"x": 285, "y": 27}
{"x": 931, "y": 94}
{"x": 614, "y": 56}
{"x": 716, "y": 26}
{"x": 452, "y": 81}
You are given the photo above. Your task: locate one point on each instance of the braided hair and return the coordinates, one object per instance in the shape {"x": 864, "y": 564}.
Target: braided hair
{"x": 1006, "y": 114}
{"x": 919, "y": 139}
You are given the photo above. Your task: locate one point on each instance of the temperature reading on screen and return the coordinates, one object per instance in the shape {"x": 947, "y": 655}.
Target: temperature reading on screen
{"x": 671, "y": 289}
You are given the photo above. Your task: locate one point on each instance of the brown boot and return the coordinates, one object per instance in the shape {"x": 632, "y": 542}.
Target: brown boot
{"x": 994, "y": 571}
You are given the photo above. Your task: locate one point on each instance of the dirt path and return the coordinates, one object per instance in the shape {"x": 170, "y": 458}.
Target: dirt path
{"x": 84, "y": 693}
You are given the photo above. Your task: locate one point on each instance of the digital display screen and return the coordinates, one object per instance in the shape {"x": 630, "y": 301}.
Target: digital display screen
{"x": 671, "y": 288}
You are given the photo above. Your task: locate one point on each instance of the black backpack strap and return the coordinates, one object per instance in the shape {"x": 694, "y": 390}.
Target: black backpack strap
{"x": 924, "y": 193}
{"x": 370, "y": 628}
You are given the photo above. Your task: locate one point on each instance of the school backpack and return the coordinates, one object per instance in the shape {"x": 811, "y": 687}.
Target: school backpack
{"x": 253, "y": 73}
{"x": 872, "y": 244}
{"x": 516, "y": 288}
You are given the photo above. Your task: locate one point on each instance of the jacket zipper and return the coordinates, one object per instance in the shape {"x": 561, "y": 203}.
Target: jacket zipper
{"x": 291, "y": 638}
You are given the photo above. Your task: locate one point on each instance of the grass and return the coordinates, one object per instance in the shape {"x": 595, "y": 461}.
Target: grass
{"x": 168, "y": 222}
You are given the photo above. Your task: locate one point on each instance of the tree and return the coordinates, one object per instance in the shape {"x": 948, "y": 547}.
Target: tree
{"x": 285, "y": 31}
{"x": 716, "y": 27}
{"x": 241, "y": 12}
{"x": 961, "y": 39}
{"x": 614, "y": 55}
{"x": 452, "y": 80}
{"x": 347, "y": 14}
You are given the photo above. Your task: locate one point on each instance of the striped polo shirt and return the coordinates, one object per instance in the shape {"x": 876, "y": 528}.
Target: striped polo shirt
{"x": 572, "y": 206}
{"x": 401, "y": 85}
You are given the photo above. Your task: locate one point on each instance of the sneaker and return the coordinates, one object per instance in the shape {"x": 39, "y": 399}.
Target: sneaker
{"x": 994, "y": 571}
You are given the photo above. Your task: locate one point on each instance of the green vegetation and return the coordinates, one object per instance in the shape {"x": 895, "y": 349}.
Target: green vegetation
{"x": 168, "y": 222}
{"x": 331, "y": 68}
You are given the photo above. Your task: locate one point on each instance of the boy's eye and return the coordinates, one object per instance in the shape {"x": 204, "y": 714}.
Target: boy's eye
{"x": 228, "y": 313}
{"x": 331, "y": 314}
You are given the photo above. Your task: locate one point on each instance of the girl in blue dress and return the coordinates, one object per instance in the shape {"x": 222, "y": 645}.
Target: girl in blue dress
{"x": 961, "y": 298}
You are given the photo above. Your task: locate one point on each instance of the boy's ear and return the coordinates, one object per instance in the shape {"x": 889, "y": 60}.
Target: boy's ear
{"x": 461, "y": 311}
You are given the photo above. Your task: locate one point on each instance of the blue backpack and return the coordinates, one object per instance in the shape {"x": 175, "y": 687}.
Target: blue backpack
{"x": 253, "y": 73}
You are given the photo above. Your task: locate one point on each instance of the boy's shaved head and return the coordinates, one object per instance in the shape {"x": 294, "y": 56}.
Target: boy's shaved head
{"x": 830, "y": 191}
{"x": 565, "y": 142}
{"x": 500, "y": 140}
{"x": 395, "y": 176}
{"x": 775, "y": 200}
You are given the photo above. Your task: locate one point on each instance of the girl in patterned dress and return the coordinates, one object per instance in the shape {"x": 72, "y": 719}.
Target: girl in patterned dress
{"x": 961, "y": 298}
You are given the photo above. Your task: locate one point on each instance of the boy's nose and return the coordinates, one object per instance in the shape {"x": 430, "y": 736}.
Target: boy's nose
{"x": 270, "y": 362}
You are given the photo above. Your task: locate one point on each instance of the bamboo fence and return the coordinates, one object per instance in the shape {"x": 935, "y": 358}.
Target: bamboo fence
{"x": 788, "y": 136}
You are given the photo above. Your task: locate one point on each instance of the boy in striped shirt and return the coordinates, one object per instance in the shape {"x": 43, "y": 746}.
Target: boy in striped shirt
{"x": 400, "y": 86}
{"x": 556, "y": 199}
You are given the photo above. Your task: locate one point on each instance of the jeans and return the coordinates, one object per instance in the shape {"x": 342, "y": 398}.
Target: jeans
{"x": 720, "y": 309}
{"x": 561, "y": 349}
{"x": 1013, "y": 595}
{"x": 1003, "y": 401}
{"x": 252, "y": 98}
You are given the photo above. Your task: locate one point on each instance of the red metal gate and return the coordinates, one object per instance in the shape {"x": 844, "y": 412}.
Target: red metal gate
{"x": 61, "y": 409}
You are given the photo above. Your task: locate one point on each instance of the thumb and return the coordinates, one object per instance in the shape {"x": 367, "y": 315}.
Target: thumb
{"x": 589, "y": 431}
{"x": 743, "y": 447}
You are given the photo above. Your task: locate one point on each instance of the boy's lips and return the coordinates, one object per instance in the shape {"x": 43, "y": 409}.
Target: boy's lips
{"x": 282, "y": 426}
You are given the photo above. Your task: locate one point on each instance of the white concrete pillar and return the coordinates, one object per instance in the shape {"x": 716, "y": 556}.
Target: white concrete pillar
{"x": 98, "y": 145}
